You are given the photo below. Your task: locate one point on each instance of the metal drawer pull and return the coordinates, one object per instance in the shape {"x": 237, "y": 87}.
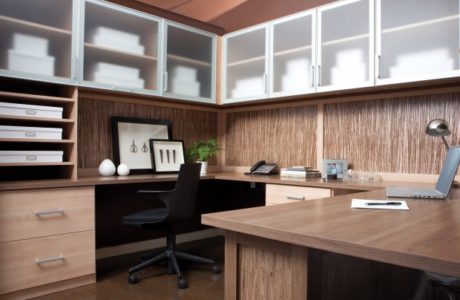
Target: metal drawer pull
{"x": 295, "y": 198}
{"x": 40, "y": 213}
{"x": 43, "y": 260}
{"x": 31, "y": 112}
{"x": 31, "y": 134}
{"x": 31, "y": 157}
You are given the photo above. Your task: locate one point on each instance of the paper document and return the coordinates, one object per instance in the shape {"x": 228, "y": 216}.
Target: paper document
{"x": 379, "y": 204}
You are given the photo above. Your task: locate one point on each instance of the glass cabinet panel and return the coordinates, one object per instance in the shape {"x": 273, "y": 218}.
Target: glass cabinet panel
{"x": 189, "y": 63}
{"x": 346, "y": 49}
{"x": 37, "y": 39}
{"x": 293, "y": 53}
{"x": 418, "y": 38}
{"x": 245, "y": 64}
{"x": 120, "y": 47}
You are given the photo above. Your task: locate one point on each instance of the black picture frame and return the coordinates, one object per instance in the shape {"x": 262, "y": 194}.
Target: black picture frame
{"x": 130, "y": 141}
{"x": 167, "y": 155}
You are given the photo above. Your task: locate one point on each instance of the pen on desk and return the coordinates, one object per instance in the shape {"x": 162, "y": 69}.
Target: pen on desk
{"x": 383, "y": 203}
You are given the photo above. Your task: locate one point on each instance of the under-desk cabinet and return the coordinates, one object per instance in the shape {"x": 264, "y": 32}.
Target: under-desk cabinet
{"x": 47, "y": 240}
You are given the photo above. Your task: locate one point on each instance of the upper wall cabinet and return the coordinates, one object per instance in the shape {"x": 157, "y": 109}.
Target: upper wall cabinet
{"x": 119, "y": 48}
{"x": 345, "y": 45}
{"x": 37, "y": 40}
{"x": 245, "y": 61}
{"x": 189, "y": 70}
{"x": 292, "y": 56}
{"x": 417, "y": 40}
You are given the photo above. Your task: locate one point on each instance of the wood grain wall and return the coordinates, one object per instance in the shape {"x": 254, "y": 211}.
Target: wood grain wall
{"x": 95, "y": 132}
{"x": 283, "y": 135}
{"x": 388, "y": 135}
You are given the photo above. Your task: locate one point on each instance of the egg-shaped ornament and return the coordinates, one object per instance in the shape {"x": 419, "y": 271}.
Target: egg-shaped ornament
{"x": 107, "y": 168}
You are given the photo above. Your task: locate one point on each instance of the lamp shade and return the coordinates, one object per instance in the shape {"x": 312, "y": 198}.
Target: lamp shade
{"x": 437, "y": 127}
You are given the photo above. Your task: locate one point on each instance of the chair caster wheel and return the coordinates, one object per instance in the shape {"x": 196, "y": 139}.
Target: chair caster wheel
{"x": 216, "y": 269}
{"x": 182, "y": 283}
{"x": 133, "y": 279}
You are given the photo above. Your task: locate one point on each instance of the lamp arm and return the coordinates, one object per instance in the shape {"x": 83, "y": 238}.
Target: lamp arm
{"x": 445, "y": 142}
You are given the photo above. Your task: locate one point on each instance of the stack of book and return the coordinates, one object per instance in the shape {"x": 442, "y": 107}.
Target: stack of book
{"x": 299, "y": 171}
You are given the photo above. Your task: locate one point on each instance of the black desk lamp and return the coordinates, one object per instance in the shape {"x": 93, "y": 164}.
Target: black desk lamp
{"x": 438, "y": 127}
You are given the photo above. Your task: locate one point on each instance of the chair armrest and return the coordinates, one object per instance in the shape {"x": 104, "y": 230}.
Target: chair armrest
{"x": 153, "y": 191}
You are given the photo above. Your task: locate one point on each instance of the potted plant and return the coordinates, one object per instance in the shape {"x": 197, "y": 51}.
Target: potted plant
{"x": 202, "y": 151}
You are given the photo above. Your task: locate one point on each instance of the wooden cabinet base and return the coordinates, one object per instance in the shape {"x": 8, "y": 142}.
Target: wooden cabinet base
{"x": 257, "y": 268}
{"x": 50, "y": 288}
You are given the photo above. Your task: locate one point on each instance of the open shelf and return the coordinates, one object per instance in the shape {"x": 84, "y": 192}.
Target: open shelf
{"x": 35, "y": 119}
{"x": 118, "y": 54}
{"x": 19, "y": 97}
{"x": 2, "y": 140}
{"x": 36, "y": 164}
{"x": 7, "y": 22}
{"x": 421, "y": 24}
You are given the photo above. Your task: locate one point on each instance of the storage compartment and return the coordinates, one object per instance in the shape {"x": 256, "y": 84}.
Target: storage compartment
{"x": 31, "y": 156}
{"x": 15, "y": 109}
{"x": 24, "y": 62}
{"x": 33, "y": 133}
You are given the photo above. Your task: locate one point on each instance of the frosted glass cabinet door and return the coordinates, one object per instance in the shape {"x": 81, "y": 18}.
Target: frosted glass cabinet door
{"x": 292, "y": 58}
{"x": 190, "y": 67}
{"x": 120, "y": 48}
{"x": 417, "y": 39}
{"x": 245, "y": 61}
{"x": 36, "y": 39}
{"x": 345, "y": 56}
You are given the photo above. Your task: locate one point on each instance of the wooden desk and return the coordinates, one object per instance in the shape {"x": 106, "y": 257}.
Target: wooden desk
{"x": 267, "y": 247}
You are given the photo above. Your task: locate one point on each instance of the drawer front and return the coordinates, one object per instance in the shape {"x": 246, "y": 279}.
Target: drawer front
{"x": 277, "y": 194}
{"x": 34, "y": 262}
{"x": 42, "y": 212}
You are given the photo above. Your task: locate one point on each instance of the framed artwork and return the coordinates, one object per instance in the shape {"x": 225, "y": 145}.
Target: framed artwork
{"x": 130, "y": 140}
{"x": 167, "y": 155}
{"x": 334, "y": 168}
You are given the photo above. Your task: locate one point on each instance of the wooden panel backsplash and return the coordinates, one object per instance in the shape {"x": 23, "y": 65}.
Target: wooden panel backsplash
{"x": 95, "y": 131}
{"x": 283, "y": 135}
{"x": 389, "y": 135}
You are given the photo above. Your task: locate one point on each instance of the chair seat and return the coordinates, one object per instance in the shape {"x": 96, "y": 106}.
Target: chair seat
{"x": 146, "y": 216}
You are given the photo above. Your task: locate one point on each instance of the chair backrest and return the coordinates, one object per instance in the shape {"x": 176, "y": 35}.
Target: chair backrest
{"x": 183, "y": 199}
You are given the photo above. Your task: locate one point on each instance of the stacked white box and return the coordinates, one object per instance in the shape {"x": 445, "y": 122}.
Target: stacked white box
{"x": 31, "y": 156}
{"x": 184, "y": 81}
{"x": 33, "y": 133}
{"x": 248, "y": 87}
{"x": 30, "y": 54}
{"x": 15, "y": 109}
{"x": 117, "y": 75}
{"x": 117, "y": 39}
{"x": 350, "y": 67}
{"x": 297, "y": 75}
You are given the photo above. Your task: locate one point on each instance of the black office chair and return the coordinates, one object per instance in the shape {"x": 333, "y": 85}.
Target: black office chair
{"x": 449, "y": 285}
{"x": 180, "y": 206}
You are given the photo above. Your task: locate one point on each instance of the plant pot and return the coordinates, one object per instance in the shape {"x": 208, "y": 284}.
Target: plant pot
{"x": 204, "y": 167}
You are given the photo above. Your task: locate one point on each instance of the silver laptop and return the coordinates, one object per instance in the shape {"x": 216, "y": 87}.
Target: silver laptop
{"x": 445, "y": 180}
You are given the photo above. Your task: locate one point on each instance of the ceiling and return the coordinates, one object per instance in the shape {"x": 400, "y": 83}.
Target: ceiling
{"x": 232, "y": 15}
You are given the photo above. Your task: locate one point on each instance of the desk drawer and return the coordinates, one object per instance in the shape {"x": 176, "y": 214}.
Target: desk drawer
{"x": 42, "y": 212}
{"x": 34, "y": 262}
{"x": 277, "y": 194}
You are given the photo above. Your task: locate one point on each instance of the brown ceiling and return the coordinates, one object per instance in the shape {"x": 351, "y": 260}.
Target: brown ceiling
{"x": 232, "y": 15}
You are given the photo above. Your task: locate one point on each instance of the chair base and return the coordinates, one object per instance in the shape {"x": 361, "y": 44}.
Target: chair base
{"x": 447, "y": 284}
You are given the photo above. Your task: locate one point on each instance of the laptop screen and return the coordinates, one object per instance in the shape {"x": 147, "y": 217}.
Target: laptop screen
{"x": 449, "y": 170}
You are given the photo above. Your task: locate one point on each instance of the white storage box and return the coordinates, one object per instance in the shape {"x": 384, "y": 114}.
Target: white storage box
{"x": 186, "y": 88}
{"x": 114, "y": 34}
{"x": 120, "y": 82}
{"x": 118, "y": 45}
{"x": 30, "y": 45}
{"x": 21, "y": 62}
{"x": 182, "y": 73}
{"x": 118, "y": 71}
{"x": 30, "y": 156}
{"x": 15, "y": 109}
{"x": 34, "y": 133}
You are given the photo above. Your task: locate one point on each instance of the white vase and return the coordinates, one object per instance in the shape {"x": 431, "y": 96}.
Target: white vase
{"x": 204, "y": 167}
{"x": 123, "y": 170}
{"x": 107, "y": 168}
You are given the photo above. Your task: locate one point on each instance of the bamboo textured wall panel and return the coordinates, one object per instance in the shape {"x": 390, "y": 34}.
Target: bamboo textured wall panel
{"x": 389, "y": 135}
{"x": 286, "y": 136}
{"x": 95, "y": 129}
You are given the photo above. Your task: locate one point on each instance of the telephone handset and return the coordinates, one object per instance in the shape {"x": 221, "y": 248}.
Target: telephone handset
{"x": 263, "y": 168}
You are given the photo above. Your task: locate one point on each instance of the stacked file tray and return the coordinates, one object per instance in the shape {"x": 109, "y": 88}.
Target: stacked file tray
{"x": 42, "y": 111}
{"x": 30, "y": 54}
{"x": 117, "y": 40}
{"x": 22, "y": 132}
{"x": 117, "y": 75}
{"x": 184, "y": 81}
{"x": 31, "y": 156}
{"x": 300, "y": 171}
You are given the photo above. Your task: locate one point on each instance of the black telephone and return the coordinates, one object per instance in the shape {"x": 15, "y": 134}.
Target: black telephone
{"x": 263, "y": 168}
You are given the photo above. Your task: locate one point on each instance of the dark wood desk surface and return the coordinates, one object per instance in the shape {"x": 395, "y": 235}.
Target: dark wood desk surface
{"x": 427, "y": 237}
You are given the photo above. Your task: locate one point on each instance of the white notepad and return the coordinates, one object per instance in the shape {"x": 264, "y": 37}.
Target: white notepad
{"x": 379, "y": 204}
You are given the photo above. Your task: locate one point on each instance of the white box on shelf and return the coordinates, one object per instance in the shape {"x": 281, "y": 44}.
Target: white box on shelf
{"x": 33, "y": 133}
{"x": 294, "y": 83}
{"x": 30, "y": 45}
{"x": 20, "y": 62}
{"x": 115, "y": 34}
{"x": 185, "y": 88}
{"x": 118, "y": 45}
{"x": 42, "y": 111}
{"x": 116, "y": 81}
{"x": 248, "y": 87}
{"x": 182, "y": 73}
{"x": 116, "y": 71}
{"x": 31, "y": 156}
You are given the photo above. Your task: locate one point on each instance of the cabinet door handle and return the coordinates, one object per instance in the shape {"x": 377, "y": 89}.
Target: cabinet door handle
{"x": 295, "y": 198}
{"x": 30, "y": 134}
{"x": 319, "y": 75}
{"x": 312, "y": 75}
{"x": 165, "y": 81}
{"x": 31, "y": 157}
{"x": 265, "y": 83}
{"x": 31, "y": 112}
{"x": 379, "y": 58}
{"x": 43, "y": 260}
{"x": 40, "y": 213}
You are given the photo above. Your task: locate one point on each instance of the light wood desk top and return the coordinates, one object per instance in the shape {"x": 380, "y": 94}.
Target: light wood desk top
{"x": 427, "y": 237}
